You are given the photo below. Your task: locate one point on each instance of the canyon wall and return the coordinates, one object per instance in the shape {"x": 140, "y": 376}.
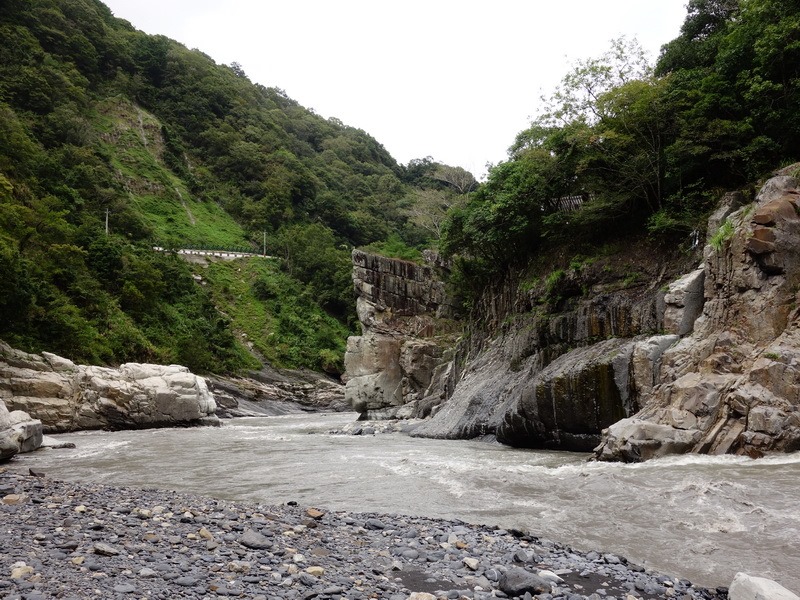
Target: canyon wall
{"x": 706, "y": 361}
{"x": 557, "y": 380}
{"x": 403, "y": 312}
{"x": 733, "y": 383}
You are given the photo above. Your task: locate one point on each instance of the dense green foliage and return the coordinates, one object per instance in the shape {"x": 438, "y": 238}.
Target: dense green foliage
{"x": 650, "y": 148}
{"x": 100, "y": 122}
{"x": 253, "y": 294}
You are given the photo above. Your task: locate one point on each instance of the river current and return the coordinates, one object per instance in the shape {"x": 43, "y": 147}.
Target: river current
{"x": 699, "y": 517}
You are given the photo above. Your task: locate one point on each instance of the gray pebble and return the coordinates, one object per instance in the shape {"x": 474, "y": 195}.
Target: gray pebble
{"x": 247, "y": 551}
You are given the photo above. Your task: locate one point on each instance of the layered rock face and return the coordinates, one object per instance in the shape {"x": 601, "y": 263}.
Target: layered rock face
{"x": 545, "y": 382}
{"x": 540, "y": 383}
{"x": 401, "y": 306}
{"x": 708, "y": 363}
{"x": 270, "y": 392}
{"x": 733, "y": 383}
{"x": 69, "y": 397}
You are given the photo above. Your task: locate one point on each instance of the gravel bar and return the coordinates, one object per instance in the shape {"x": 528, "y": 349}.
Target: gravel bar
{"x": 84, "y": 540}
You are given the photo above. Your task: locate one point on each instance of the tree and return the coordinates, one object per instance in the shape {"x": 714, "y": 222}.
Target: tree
{"x": 311, "y": 254}
{"x": 428, "y": 208}
{"x": 631, "y": 136}
{"x": 461, "y": 180}
{"x": 698, "y": 42}
{"x": 418, "y": 170}
{"x": 576, "y": 97}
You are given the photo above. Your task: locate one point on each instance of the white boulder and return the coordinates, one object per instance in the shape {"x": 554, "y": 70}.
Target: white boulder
{"x": 747, "y": 587}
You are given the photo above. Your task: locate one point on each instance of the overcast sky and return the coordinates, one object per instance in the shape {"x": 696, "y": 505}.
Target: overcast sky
{"x": 455, "y": 80}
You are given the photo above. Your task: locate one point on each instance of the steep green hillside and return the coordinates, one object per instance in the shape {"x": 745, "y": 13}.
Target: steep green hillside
{"x": 131, "y": 140}
{"x": 102, "y": 124}
{"x": 253, "y": 294}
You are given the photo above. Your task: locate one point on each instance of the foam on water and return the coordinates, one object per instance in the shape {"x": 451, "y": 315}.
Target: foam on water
{"x": 98, "y": 447}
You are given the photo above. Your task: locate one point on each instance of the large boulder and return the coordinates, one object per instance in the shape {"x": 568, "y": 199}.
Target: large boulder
{"x": 18, "y": 432}
{"x": 566, "y": 404}
{"x": 748, "y": 587}
{"x": 519, "y": 582}
{"x": 68, "y": 397}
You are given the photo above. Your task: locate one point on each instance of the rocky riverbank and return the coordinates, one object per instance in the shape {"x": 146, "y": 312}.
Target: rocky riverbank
{"x": 636, "y": 354}
{"x": 71, "y": 540}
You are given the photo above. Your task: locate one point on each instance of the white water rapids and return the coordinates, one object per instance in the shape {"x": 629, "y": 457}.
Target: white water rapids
{"x": 699, "y": 517}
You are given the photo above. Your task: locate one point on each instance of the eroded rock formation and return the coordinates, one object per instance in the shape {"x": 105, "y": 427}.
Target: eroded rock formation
{"x": 547, "y": 382}
{"x": 402, "y": 309}
{"x": 69, "y": 397}
{"x": 708, "y": 363}
{"x": 18, "y": 432}
{"x": 541, "y": 382}
{"x": 733, "y": 383}
{"x": 271, "y": 392}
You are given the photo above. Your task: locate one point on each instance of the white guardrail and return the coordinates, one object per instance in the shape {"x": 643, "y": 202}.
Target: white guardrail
{"x": 224, "y": 254}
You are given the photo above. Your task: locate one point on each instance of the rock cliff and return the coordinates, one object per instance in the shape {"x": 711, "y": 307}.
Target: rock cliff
{"x": 402, "y": 309}
{"x": 541, "y": 381}
{"x": 733, "y": 383}
{"x": 704, "y": 362}
{"x": 550, "y": 380}
{"x": 69, "y": 397}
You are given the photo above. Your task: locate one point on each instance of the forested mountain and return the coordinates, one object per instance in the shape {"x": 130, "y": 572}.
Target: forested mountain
{"x": 649, "y": 148}
{"x": 103, "y": 124}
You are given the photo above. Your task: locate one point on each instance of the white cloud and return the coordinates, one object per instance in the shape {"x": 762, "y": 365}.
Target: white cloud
{"x": 453, "y": 80}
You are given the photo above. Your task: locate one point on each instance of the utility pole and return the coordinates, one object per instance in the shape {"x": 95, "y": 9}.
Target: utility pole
{"x": 265, "y": 243}
{"x": 106, "y": 222}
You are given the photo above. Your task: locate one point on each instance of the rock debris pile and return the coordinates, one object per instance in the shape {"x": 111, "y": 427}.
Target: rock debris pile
{"x": 70, "y": 540}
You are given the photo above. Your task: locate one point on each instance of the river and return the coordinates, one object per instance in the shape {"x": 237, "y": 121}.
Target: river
{"x": 699, "y": 517}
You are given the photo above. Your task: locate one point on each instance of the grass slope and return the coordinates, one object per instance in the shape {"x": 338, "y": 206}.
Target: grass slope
{"x": 274, "y": 314}
{"x": 132, "y": 140}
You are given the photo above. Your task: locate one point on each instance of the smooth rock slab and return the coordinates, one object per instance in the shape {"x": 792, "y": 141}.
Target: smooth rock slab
{"x": 253, "y": 539}
{"x": 747, "y": 587}
{"x": 104, "y": 549}
{"x": 374, "y": 524}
